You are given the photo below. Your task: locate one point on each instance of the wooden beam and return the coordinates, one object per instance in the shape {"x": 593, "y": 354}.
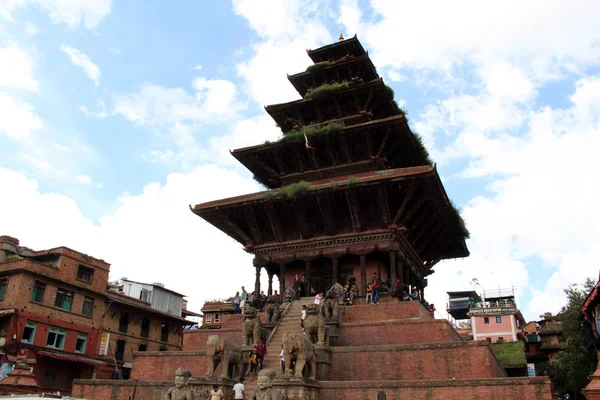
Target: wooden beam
{"x": 416, "y": 222}
{"x": 353, "y": 208}
{"x": 369, "y": 99}
{"x": 404, "y": 218}
{"x": 418, "y": 244}
{"x": 300, "y": 213}
{"x": 426, "y": 227}
{"x": 267, "y": 168}
{"x": 326, "y": 213}
{"x": 338, "y": 108}
{"x": 410, "y": 193}
{"x": 299, "y": 158}
{"x": 274, "y": 221}
{"x": 330, "y": 150}
{"x": 368, "y": 142}
{"x": 254, "y": 231}
{"x": 313, "y": 159}
{"x": 427, "y": 245}
{"x": 279, "y": 161}
{"x": 235, "y": 228}
{"x": 387, "y": 136}
{"x": 383, "y": 206}
{"x": 345, "y": 148}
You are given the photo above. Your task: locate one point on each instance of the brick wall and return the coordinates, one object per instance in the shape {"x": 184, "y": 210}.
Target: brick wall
{"x": 386, "y": 311}
{"x": 196, "y": 339}
{"x": 396, "y": 332}
{"x": 458, "y": 389}
{"x": 161, "y": 365}
{"x": 397, "y": 362}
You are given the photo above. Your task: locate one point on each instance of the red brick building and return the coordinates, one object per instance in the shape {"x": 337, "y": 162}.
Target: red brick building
{"x": 56, "y": 304}
{"x": 213, "y": 312}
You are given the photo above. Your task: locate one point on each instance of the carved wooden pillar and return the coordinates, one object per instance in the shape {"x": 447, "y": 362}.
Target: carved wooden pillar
{"x": 308, "y": 271}
{"x": 406, "y": 272}
{"x": 363, "y": 276}
{"x": 270, "y": 289}
{"x": 281, "y": 279}
{"x": 335, "y": 270}
{"x": 257, "y": 281}
{"x": 393, "y": 268}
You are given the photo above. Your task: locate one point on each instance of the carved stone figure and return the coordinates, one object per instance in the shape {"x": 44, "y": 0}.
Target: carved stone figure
{"x": 180, "y": 391}
{"x": 289, "y": 295}
{"x": 272, "y": 309}
{"x": 265, "y": 386}
{"x": 314, "y": 324}
{"x": 226, "y": 352}
{"x": 299, "y": 349}
{"x": 251, "y": 326}
{"x": 331, "y": 304}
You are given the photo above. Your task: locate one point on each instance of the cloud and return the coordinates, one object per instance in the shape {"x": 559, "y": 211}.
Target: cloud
{"x": 85, "y": 179}
{"x": 30, "y": 29}
{"x": 101, "y": 113}
{"x": 115, "y": 51}
{"x": 72, "y": 13}
{"x": 140, "y": 247}
{"x": 82, "y": 61}
{"x": 198, "y": 67}
{"x": 17, "y": 118}
{"x": 287, "y": 29}
{"x": 16, "y": 68}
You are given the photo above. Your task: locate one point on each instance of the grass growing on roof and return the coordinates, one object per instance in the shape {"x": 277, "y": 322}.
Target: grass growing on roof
{"x": 288, "y": 192}
{"x": 510, "y": 354}
{"x": 352, "y": 180}
{"x": 298, "y": 135}
{"x": 318, "y": 66}
{"x": 326, "y": 90}
{"x": 420, "y": 149}
{"x": 460, "y": 222}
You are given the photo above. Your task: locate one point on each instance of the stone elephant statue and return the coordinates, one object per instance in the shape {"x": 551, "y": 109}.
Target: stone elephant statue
{"x": 251, "y": 326}
{"x": 272, "y": 309}
{"x": 300, "y": 350}
{"x": 314, "y": 324}
{"x": 331, "y": 303}
{"x": 226, "y": 352}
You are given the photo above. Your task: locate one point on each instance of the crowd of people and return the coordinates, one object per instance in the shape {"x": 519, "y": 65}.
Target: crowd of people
{"x": 257, "y": 301}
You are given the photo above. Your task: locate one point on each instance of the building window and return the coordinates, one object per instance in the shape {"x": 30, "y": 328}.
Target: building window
{"x": 64, "y": 299}
{"x": 81, "y": 343}
{"x": 486, "y": 320}
{"x": 3, "y": 286}
{"x": 29, "y": 332}
{"x": 56, "y": 337}
{"x": 88, "y": 306}
{"x": 500, "y": 340}
{"x": 489, "y": 339}
{"x": 498, "y": 319}
{"x": 145, "y": 295}
{"x": 208, "y": 317}
{"x": 38, "y": 291}
{"x": 123, "y": 323}
{"x": 162, "y": 348}
{"x": 217, "y": 317}
{"x": 142, "y": 347}
{"x": 120, "y": 351}
{"x": 145, "y": 328}
{"x": 164, "y": 332}
{"x": 85, "y": 274}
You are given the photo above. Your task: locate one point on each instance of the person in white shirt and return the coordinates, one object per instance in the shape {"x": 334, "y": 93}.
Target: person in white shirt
{"x": 238, "y": 390}
{"x": 302, "y": 317}
{"x": 282, "y": 361}
{"x": 318, "y": 298}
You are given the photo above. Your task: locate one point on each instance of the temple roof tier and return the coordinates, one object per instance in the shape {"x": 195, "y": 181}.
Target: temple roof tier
{"x": 410, "y": 202}
{"x": 370, "y": 101}
{"x": 358, "y": 69}
{"x": 386, "y": 143}
{"x": 337, "y": 51}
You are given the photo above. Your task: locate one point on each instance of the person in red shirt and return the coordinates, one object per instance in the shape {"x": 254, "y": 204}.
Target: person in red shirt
{"x": 376, "y": 286}
{"x": 261, "y": 350}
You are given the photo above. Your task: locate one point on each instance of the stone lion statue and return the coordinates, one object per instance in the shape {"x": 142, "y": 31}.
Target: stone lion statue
{"x": 331, "y": 303}
{"x": 272, "y": 309}
{"x": 289, "y": 295}
{"x": 314, "y": 324}
{"x": 251, "y": 326}
{"x": 301, "y": 351}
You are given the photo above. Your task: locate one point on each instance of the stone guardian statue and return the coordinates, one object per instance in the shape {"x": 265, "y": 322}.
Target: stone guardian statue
{"x": 265, "y": 386}
{"x": 180, "y": 391}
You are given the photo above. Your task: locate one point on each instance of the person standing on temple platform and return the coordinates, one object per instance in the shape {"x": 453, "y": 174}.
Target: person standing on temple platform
{"x": 376, "y": 286}
{"x": 302, "y": 287}
{"x": 302, "y": 317}
{"x": 243, "y": 298}
{"x": 236, "y": 303}
{"x": 318, "y": 298}
{"x": 253, "y": 362}
{"x": 297, "y": 284}
{"x": 369, "y": 297}
{"x": 254, "y": 300}
{"x": 238, "y": 390}
{"x": 282, "y": 361}
{"x": 398, "y": 290}
{"x": 276, "y": 295}
{"x": 261, "y": 350}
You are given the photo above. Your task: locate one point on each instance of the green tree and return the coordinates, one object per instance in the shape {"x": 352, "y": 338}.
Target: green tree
{"x": 577, "y": 361}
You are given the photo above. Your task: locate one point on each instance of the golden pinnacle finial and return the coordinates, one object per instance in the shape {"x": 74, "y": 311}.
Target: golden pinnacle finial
{"x": 341, "y": 38}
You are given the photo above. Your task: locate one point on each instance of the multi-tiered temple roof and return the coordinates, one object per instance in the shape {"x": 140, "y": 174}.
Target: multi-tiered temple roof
{"x": 364, "y": 179}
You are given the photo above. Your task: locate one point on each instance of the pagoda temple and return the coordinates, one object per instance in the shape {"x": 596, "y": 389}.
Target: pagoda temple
{"x": 352, "y": 189}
